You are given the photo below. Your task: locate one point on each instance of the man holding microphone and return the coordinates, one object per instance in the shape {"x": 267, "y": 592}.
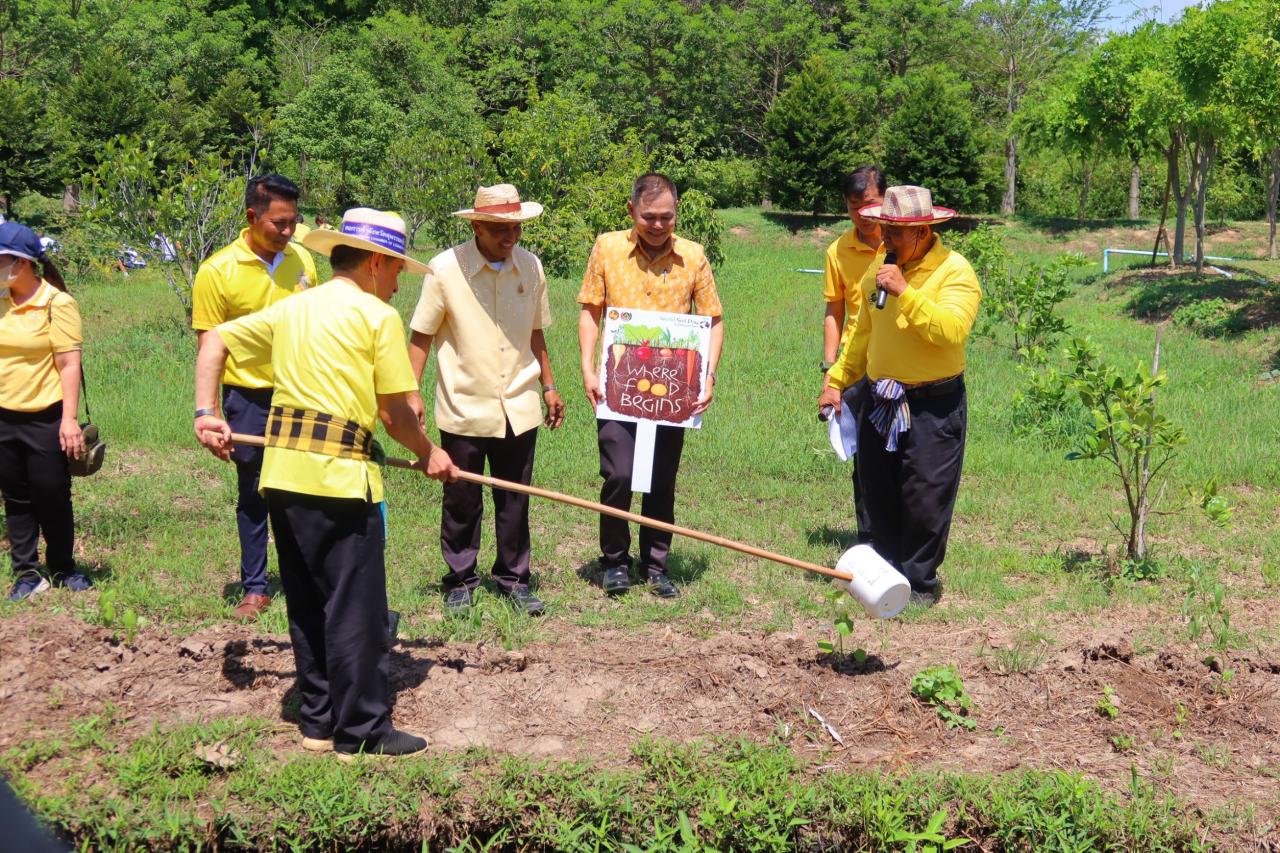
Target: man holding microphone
{"x": 911, "y": 431}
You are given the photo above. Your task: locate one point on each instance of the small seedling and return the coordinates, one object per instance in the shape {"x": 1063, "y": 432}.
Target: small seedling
{"x": 1215, "y": 755}
{"x": 1108, "y": 706}
{"x": 130, "y": 622}
{"x": 1222, "y": 684}
{"x": 1122, "y": 743}
{"x": 842, "y": 628}
{"x": 930, "y": 839}
{"x": 107, "y": 607}
{"x": 1027, "y": 653}
{"x": 941, "y": 687}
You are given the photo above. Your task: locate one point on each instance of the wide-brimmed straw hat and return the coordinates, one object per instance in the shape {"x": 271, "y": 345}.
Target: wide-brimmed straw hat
{"x": 906, "y": 206}
{"x": 500, "y": 203}
{"x": 368, "y": 229}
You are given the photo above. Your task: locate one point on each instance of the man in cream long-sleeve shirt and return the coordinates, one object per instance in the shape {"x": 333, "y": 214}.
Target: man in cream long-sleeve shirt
{"x": 911, "y": 434}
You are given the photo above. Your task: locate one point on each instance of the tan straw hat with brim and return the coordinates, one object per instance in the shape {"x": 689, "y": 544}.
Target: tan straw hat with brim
{"x": 906, "y": 206}
{"x": 500, "y": 203}
{"x": 372, "y": 230}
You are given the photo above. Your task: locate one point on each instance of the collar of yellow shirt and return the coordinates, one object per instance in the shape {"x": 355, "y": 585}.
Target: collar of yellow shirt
{"x": 39, "y": 300}
{"x": 928, "y": 263}
{"x": 672, "y": 248}
{"x": 852, "y": 241}
{"x": 246, "y": 255}
{"x": 471, "y": 261}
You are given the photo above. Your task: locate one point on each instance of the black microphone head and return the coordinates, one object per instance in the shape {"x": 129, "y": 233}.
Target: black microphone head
{"x": 891, "y": 257}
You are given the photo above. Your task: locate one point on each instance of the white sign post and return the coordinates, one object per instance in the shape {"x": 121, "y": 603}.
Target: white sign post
{"x": 653, "y": 369}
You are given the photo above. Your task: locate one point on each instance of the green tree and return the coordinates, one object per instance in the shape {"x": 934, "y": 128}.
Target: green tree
{"x": 196, "y": 204}
{"x": 561, "y": 152}
{"x": 931, "y": 140}
{"x": 27, "y": 149}
{"x": 1253, "y": 84}
{"x": 1016, "y": 44}
{"x": 427, "y": 175}
{"x": 341, "y": 119}
{"x": 809, "y": 139}
{"x": 1062, "y": 119}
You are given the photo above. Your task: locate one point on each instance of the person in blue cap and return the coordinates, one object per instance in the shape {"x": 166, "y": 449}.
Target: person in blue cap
{"x": 40, "y": 339}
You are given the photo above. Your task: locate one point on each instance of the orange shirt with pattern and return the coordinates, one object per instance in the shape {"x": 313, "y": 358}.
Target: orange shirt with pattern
{"x": 679, "y": 281}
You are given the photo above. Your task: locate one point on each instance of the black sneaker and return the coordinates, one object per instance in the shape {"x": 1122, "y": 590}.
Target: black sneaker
{"x": 457, "y": 601}
{"x": 394, "y": 745}
{"x": 521, "y": 597}
{"x": 661, "y": 586}
{"x": 616, "y": 580}
{"x": 28, "y": 584}
{"x": 925, "y": 599}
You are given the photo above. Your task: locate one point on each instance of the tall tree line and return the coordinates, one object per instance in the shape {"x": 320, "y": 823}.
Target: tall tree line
{"x": 1018, "y": 106}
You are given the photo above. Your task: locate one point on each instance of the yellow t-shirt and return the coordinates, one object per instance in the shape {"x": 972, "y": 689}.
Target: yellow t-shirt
{"x": 679, "y": 281}
{"x": 332, "y": 349}
{"x": 233, "y": 282}
{"x": 920, "y": 335}
{"x": 848, "y": 259}
{"x": 30, "y": 334}
{"x": 482, "y": 321}
{"x": 300, "y": 231}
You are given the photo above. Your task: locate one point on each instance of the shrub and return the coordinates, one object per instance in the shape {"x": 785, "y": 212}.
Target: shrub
{"x": 1210, "y": 318}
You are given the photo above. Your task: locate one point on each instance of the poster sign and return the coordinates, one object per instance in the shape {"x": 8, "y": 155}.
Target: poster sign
{"x": 653, "y": 366}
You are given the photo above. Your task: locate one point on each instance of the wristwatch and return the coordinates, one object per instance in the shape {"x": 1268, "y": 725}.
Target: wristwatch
{"x": 826, "y": 365}
{"x": 200, "y": 413}
{"x": 550, "y": 386}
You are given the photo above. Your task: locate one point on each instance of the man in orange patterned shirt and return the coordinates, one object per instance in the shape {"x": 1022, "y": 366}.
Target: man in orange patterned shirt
{"x": 648, "y": 268}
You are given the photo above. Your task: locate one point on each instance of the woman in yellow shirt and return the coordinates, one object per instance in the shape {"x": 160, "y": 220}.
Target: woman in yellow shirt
{"x": 40, "y": 341}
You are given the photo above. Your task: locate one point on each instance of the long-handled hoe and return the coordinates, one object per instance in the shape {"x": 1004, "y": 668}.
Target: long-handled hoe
{"x": 880, "y": 588}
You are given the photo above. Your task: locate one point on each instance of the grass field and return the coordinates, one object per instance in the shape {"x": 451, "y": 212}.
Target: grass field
{"x": 687, "y": 725}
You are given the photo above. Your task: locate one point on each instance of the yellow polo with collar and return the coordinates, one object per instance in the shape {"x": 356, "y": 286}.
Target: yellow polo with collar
{"x": 234, "y": 282}
{"x": 848, "y": 259}
{"x": 920, "y": 335}
{"x": 482, "y": 321}
{"x": 30, "y": 335}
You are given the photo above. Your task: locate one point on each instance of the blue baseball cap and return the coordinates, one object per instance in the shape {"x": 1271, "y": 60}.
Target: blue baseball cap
{"x": 18, "y": 239}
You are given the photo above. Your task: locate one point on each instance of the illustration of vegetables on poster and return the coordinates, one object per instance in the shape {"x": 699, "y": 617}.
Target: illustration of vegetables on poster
{"x": 653, "y": 368}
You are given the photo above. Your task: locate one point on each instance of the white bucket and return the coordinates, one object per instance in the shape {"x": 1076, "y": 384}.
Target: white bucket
{"x": 880, "y": 588}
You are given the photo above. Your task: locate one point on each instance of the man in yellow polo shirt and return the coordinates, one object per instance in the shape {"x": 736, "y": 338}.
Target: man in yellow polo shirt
{"x": 484, "y": 304}
{"x": 911, "y": 431}
{"x": 646, "y": 267}
{"x": 848, "y": 258}
{"x": 259, "y": 269}
{"x": 338, "y": 357}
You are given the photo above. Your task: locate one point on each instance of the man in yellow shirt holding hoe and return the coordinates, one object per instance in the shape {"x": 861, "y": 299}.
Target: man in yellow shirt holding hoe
{"x": 918, "y": 304}
{"x": 340, "y": 364}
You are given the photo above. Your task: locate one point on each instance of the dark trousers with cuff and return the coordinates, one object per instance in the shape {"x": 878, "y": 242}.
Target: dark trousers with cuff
{"x": 37, "y": 490}
{"x": 855, "y": 397}
{"x": 246, "y": 411}
{"x": 462, "y": 508}
{"x": 335, "y": 585}
{"x": 617, "y": 441}
{"x": 910, "y": 493}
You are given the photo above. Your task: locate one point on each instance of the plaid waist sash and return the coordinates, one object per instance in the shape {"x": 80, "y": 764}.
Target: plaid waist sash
{"x": 319, "y": 432}
{"x": 890, "y": 414}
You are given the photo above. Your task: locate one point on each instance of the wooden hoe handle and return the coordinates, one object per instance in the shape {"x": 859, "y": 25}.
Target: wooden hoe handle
{"x": 495, "y": 483}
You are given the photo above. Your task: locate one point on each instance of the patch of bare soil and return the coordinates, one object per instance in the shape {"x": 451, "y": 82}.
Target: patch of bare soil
{"x": 591, "y": 693}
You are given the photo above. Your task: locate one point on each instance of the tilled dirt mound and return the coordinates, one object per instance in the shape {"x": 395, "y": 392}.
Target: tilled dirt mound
{"x": 591, "y": 694}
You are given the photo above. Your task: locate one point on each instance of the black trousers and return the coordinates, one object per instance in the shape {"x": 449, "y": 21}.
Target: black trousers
{"x": 617, "y": 441}
{"x": 910, "y": 494}
{"x": 335, "y": 586}
{"x": 37, "y": 490}
{"x": 855, "y": 397}
{"x": 462, "y": 508}
{"x": 246, "y": 411}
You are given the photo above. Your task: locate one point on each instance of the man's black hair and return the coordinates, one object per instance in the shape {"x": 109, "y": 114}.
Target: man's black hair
{"x": 861, "y": 179}
{"x": 653, "y": 183}
{"x": 347, "y": 257}
{"x": 263, "y": 188}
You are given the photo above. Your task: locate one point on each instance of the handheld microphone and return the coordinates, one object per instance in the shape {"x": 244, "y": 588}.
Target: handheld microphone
{"x": 825, "y": 413}
{"x": 881, "y": 293}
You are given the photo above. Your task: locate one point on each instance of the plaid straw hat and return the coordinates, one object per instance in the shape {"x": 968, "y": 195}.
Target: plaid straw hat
{"x": 368, "y": 229}
{"x": 907, "y": 206}
{"x": 500, "y": 203}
